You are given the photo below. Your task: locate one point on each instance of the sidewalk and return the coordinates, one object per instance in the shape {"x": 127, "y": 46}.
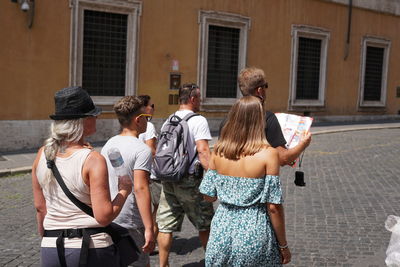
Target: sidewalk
{"x": 21, "y": 162}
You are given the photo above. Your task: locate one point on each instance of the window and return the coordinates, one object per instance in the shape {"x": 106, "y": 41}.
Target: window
{"x": 104, "y": 35}
{"x": 222, "y": 54}
{"x": 374, "y": 65}
{"x": 308, "y": 68}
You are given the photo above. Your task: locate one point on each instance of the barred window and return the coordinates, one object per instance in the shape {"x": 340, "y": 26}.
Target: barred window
{"x": 373, "y": 73}
{"x": 374, "y": 70}
{"x": 104, "y": 53}
{"x": 308, "y": 72}
{"x": 308, "y": 68}
{"x": 222, "y": 63}
{"x": 223, "y": 45}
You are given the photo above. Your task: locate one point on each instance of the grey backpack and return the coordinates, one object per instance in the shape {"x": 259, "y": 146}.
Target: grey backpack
{"x": 172, "y": 162}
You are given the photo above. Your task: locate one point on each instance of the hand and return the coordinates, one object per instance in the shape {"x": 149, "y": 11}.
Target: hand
{"x": 285, "y": 255}
{"x": 125, "y": 184}
{"x": 306, "y": 139}
{"x": 149, "y": 244}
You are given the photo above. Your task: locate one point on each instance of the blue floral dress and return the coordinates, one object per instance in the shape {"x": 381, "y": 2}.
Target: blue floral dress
{"x": 241, "y": 233}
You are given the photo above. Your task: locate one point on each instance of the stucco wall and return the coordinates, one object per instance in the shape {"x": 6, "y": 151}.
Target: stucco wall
{"x": 34, "y": 63}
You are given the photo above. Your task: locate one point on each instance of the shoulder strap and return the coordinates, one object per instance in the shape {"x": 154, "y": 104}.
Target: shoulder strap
{"x": 186, "y": 118}
{"x": 85, "y": 208}
{"x": 190, "y": 115}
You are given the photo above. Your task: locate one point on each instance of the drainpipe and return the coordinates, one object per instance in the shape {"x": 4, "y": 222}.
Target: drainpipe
{"x": 346, "y": 49}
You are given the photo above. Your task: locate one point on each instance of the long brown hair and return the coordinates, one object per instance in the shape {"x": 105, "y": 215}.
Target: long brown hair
{"x": 243, "y": 133}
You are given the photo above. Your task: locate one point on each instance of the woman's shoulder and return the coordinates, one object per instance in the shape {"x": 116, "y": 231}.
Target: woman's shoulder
{"x": 94, "y": 158}
{"x": 268, "y": 151}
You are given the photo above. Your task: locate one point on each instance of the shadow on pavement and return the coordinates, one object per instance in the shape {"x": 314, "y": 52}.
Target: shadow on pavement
{"x": 183, "y": 246}
{"x": 195, "y": 264}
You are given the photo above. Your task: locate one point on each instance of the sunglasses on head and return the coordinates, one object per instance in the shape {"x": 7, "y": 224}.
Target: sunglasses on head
{"x": 147, "y": 116}
{"x": 191, "y": 87}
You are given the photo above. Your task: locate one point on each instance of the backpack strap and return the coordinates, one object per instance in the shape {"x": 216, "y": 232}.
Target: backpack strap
{"x": 189, "y": 116}
{"x": 186, "y": 118}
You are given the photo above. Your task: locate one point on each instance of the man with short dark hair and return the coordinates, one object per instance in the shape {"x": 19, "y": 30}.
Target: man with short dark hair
{"x": 136, "y": 213}
{"x": 252, "y": 82}
{"x": 183, "y": 197}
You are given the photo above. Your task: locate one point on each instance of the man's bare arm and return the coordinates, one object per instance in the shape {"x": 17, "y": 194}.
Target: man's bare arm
{"x": 204, "y": 152}
{"x": 288, "y": 156}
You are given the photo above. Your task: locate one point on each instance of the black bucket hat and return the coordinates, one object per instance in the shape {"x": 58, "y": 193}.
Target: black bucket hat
{"x": 74, "y": 103}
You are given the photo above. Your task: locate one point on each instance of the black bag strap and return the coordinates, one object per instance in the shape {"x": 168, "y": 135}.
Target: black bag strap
{"x": 85, "y": 208}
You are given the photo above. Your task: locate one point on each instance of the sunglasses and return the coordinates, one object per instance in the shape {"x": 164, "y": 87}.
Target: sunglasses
{"x": 191, "y": 87}
{"x": 152, "y": 106}
{"x": 147, "y": 116}
{"x": 265, "y": 86}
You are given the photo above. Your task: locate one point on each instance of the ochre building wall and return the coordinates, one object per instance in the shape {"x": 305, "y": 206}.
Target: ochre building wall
{"x": 34, "y": 63}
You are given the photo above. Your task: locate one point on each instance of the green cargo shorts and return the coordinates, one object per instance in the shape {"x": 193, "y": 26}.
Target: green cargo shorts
{"x": 180, "y": 198}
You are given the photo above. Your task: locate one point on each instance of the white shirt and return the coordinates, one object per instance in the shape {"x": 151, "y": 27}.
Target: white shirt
{"x": 149, "y": 134}
{"x": 198, "y": 130}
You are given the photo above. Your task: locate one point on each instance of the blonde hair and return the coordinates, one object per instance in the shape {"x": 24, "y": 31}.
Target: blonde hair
{"x": 243, "y": 133}
{"x": 62, "y": 132}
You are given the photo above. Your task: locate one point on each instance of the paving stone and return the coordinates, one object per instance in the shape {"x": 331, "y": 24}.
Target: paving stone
{"x": 336, "y": 220}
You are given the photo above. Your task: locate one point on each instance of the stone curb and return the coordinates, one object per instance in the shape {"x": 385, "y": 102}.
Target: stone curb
{"x": 28, "y": 169}
{"x": 354, "y": 129}
{"x": 15, "y": 171}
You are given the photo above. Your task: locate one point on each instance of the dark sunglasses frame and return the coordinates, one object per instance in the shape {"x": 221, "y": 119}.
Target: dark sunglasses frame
{"x": 191, "y": 87}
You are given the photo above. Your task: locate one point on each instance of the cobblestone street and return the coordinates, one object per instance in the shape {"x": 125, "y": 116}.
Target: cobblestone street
{"x": 353, "y": 184}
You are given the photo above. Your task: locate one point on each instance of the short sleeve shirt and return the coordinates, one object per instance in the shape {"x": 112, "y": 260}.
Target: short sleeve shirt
{"x": 149, "y": 134}
{"x": 137, "y": 156}
{"x": 273, "y": 131}
{"x": 198, "y": 130}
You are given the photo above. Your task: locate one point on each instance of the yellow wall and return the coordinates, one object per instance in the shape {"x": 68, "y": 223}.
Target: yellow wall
{"x": 34, "y": 63}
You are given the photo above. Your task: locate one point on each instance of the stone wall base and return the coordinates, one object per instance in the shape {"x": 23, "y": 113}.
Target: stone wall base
{"x": 17, "y": 135}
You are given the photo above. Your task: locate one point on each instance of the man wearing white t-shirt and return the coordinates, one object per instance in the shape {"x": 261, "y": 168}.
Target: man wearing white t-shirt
{"x": 136, "y": 212}
{"x": 183, "y": 197}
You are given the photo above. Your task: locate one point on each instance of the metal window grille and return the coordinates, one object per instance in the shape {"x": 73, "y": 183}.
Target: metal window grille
{"x": 104, "y": 53}
{"x": 222, "y": 62}
{"x": 308, "y": 68}
{"x": 373, "y": 73}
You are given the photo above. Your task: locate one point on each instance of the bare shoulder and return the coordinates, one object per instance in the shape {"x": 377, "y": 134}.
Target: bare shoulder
{"x": 269, "y": 152}
{"x": 94, "y": 159}
{"x": 95, "y": 156}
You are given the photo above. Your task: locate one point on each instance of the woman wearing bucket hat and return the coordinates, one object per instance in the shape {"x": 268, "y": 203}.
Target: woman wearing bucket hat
{"x": 84, "y": 173}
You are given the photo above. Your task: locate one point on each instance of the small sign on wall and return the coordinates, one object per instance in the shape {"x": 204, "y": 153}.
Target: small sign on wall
{"x": 174, "y": 80}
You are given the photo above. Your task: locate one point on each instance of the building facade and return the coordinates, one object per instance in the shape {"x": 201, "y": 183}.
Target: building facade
{"x": 323, "y": 58}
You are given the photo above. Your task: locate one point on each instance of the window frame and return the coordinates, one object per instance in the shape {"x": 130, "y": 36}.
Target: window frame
{"x": 314, "y": 33}
{"x": 222, "y": 19}
{"x": 132, "y": 9}
{"x": 374, "y": 41}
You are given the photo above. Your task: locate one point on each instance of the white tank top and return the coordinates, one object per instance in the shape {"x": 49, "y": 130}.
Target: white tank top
{"x": 61, "y": 212}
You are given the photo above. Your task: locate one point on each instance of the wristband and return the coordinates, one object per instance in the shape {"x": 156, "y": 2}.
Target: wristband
{"x": 283, "y": 247}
